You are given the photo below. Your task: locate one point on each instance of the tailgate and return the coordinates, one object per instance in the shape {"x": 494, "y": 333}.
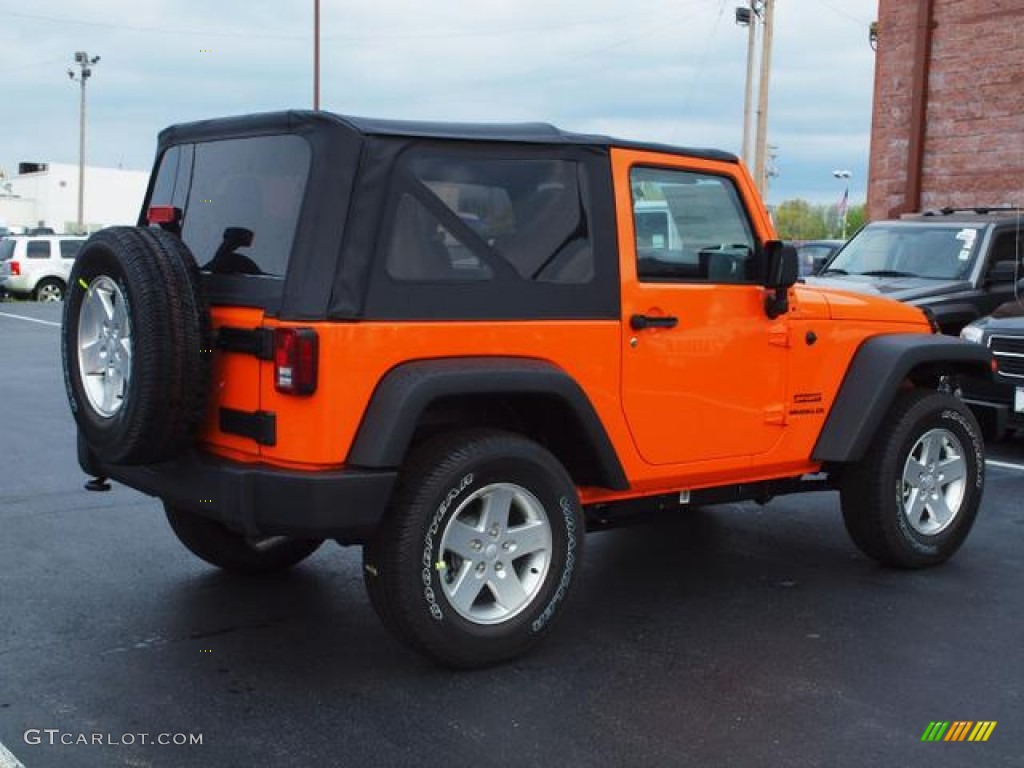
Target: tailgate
{"x": 233, "y": 416}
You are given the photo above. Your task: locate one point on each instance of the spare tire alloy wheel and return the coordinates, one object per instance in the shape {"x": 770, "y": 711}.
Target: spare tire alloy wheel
{"x": 105, "y": 345}
{"x": 913, "y": 498}
{"x": 136, "y": 403}
{"x": 480, "y": 549}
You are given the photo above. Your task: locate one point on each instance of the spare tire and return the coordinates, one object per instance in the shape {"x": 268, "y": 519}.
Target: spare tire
{"x": 136, "y": 345}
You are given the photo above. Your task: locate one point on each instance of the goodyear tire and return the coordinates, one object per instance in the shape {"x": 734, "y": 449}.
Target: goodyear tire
{"x": 220, "y": 546}
{"x": 480, "y": 549}
{"x": 912, "y": 500}
{"x": 135, "y": 343}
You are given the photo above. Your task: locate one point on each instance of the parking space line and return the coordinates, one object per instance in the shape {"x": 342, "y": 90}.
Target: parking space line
{"x": 30, "y": 319}
{"x": 1004, "y": 464}
{"x": 7, "y": 760}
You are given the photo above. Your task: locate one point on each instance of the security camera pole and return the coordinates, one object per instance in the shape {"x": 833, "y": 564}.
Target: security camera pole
{"x": 85, "y": 64}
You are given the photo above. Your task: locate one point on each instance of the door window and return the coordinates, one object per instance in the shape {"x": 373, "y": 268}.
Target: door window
{"x": 690, "y": 227}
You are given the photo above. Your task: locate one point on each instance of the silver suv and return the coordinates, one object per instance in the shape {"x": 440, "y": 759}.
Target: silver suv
{"x": 37, "y": 265}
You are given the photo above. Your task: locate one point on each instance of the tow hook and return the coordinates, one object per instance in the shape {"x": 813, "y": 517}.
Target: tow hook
{"x": 97, "y": 484}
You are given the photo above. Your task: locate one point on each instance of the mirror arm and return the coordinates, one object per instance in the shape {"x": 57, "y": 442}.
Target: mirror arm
{"x": 776, "y": 302}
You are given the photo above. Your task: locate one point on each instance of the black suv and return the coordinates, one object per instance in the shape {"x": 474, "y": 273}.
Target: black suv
{"x": 999, "y": 403}
{"x": 959, "y": 265}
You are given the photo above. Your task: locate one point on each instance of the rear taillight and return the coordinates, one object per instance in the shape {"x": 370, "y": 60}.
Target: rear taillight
{"x": 15, "y": 268}
{"x": 295, "y": 358}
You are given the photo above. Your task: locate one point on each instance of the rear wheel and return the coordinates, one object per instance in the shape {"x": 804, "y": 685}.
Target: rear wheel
{"x": 480, "y": 549}
{"x": 49, "y": 290}
{"x": 232, "y": 551}
{"x": 913, "y": 498}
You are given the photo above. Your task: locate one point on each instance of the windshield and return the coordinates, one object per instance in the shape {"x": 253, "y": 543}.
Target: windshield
{"x": 902, "y": 250}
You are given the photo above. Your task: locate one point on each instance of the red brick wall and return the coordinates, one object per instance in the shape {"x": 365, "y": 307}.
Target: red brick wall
{"x": 974, "y": 118}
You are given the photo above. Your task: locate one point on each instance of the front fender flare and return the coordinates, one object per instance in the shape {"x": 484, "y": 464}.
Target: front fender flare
{"x": 879, "y": 368}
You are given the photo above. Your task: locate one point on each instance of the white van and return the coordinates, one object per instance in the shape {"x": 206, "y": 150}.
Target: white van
{"x": 37, "y": 265}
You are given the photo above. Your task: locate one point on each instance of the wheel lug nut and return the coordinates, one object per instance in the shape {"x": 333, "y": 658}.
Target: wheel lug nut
{"x": 499, "y": 567}
{"x": 476, "y": 545}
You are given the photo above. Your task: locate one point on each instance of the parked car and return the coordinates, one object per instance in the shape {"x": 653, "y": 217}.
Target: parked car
{"x": 37, "y": 267}
{"x": 959, "y": 264}
{"x": 814, "y": 254}
{"x": 461, "y": 346}
{"x": 999, "y": 402}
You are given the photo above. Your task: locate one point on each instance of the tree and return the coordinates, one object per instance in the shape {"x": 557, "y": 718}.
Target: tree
{"x": 800, "y": 220}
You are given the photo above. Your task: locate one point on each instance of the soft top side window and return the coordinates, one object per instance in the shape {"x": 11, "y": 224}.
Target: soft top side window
{"x": 468, "y": 217}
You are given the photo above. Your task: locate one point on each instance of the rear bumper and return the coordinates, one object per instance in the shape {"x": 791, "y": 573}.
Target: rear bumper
{"x": 257, "y": 499}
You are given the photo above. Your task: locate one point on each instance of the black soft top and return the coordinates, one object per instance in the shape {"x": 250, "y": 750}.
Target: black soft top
{"x": 303, "y": 121}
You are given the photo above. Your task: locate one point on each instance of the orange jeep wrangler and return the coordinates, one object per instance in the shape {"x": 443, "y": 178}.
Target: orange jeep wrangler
{"x": 460, "y": 346}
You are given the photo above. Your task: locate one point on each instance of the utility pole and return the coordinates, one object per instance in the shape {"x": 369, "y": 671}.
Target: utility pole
{"x": 761, "y": 138}
{"x": 316, "y": 54}
{"x": 85, "y": 66}
{"x": 748, "y": 17}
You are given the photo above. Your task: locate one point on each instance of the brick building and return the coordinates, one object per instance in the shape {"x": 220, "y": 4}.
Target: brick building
{"x": 948, "y": 123}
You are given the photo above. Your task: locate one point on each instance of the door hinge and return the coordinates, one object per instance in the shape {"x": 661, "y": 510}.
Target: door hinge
{"x": 778, "y": 336}
{"x": 260, "y": 426}
{"x": 258, "y": 342}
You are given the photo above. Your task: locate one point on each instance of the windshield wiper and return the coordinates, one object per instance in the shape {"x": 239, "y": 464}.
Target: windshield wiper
{"x": 887, "y": 273}
{"x": 833, "y": 271}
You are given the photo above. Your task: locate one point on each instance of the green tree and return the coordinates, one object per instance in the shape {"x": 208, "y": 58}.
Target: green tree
{"x": 799, "y": 220}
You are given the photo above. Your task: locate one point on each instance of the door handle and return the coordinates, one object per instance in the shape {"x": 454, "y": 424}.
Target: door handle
{"x": 642, "y": 322}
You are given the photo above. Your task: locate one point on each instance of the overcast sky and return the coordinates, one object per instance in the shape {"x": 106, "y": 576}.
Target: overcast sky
{"x": 662, "y": 70}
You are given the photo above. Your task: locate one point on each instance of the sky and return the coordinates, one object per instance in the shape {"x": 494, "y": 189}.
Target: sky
{"x": 667, "y": 70}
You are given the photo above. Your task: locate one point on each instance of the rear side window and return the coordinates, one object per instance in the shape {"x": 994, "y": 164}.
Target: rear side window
{"x": 38, "y": 249}
{"x": 6, "y": 250}
{"x": 70, "y": 248}
{"x": 461, "y": 217}
{"x": 240, "y": 200}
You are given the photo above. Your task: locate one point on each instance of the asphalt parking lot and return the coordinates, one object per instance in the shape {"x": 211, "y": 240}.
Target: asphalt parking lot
{"x": 731, "y": 636}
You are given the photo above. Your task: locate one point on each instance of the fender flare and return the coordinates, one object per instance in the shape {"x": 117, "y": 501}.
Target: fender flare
{"x": 874, "y": 377}
{"x": 407, "y": 390}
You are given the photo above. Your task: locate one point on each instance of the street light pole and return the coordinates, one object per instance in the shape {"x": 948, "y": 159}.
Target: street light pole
{"x": 844, "y": 203}
{"x": 85, "y": 65}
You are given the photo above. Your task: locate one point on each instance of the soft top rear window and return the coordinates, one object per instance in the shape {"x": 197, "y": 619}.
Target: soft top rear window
{"x": 240, "y": 200}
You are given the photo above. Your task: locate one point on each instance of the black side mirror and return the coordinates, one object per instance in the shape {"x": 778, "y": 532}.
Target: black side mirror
{"x": 1003, "y": 272}
{"x": 783, "y": 272}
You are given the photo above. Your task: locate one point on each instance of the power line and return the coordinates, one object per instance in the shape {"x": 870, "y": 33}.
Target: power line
{"x": 206, "y": 33}
{"x": 842, "y": 12}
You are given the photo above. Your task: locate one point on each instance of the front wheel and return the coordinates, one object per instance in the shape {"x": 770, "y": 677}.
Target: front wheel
{"x": 236, "y": 552}
{"x": 911, "y": 501}
{"x": 479, "y": 550}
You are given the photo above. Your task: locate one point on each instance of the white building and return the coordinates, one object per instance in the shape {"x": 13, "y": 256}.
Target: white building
{"x": 46, "y": 195}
